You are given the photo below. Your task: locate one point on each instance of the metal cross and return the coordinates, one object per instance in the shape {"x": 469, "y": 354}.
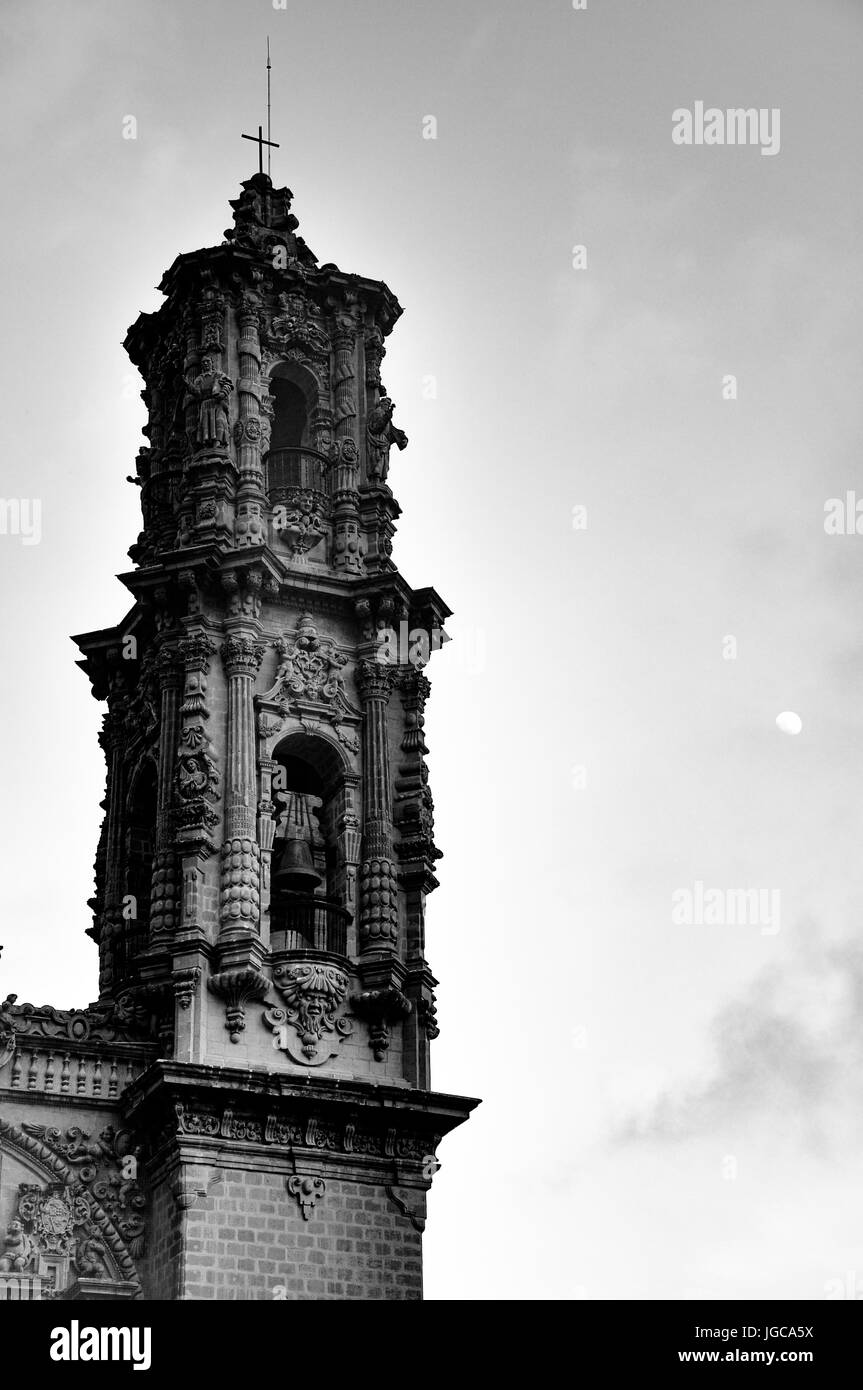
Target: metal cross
{"x": 261, "y": 142}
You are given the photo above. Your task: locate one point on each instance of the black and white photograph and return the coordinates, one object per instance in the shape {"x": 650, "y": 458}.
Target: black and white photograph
{"x": 431, "y": 720}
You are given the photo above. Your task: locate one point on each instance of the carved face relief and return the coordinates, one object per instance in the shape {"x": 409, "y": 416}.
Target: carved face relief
{"x": 312, "y": 995}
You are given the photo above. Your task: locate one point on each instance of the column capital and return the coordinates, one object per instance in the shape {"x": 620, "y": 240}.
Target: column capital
{"x": 242, "y": 654}
{"x": 375, "y": 680}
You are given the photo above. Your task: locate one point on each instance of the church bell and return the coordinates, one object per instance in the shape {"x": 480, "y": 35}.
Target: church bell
{"x": 296, "y": 872}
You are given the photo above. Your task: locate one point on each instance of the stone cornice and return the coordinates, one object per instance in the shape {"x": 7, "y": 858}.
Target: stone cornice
{"x": 346, "y": 1124}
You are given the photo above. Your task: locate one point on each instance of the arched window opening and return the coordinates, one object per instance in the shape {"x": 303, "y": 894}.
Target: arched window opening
{"x": 307, "y": 910}
{"x": 290, "y": 415}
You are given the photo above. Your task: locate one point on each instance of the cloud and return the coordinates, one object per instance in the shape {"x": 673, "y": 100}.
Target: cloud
{"x": 787, "y": 1057}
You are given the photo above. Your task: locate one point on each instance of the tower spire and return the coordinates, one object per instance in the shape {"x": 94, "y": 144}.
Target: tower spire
{"x": 269, "y": 141}
{"x": 259, "y": 138}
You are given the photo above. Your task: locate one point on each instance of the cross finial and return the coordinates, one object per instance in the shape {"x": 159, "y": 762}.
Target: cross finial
{"x": 261, "y": 142}
{"x": 259, "y": 138}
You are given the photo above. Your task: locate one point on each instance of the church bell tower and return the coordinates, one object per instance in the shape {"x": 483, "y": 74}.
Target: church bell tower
{"x": 267, "y": 845}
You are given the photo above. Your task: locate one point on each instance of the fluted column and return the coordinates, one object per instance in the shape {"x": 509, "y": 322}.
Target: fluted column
{"x": 378, "y": 886}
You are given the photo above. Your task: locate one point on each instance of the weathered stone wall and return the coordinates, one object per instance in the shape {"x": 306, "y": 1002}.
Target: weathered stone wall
{"x": 161, "y": 1264}
{"x": 248, "y": 1239}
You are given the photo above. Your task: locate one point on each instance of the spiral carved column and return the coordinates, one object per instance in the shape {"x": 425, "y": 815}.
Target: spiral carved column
{"x": 240, "y": 906}
{"x": 251, "y": 498}
{"x": 347, "y": 547}
{"x": 378, "y": 886}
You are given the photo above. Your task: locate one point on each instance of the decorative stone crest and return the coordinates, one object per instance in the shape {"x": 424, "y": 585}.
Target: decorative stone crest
{"x": 57, "y": 1217}
{"x": 308, "y": 682}
{"x": 307, "y": 1191}
{"x": 312, "y": 665}
{"x": 312, "y": 995}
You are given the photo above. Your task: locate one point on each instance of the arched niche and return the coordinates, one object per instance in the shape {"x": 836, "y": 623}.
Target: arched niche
{"x": 294, "y": 395}
{"x": 313, "y": 793}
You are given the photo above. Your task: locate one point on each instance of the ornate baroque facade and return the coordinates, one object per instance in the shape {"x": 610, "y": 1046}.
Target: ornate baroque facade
{"x": 245, "y": 1112}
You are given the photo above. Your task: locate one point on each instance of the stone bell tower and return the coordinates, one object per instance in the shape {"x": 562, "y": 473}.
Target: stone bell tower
{"x": 268, "y": 843}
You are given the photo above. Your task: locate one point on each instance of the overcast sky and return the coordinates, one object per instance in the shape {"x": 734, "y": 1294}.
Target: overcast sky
{"x": 668, "y": 1110}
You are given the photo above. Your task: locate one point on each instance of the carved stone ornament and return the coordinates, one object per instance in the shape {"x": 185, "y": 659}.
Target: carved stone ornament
{"x": 19, "y": 1252}
{"x": 312, "y": 995}
{"x": 348, "y": 1136}
{"x": 307, "y": 1190}
{"x": 241, "y": 654}
{"x": 381, "y": 1008}
{"x": 309, "y": 680}
{"x": 100, "y": 1165}
{"x": 238, "y": 987}
{"x": 348, "y": 737}
{"x": 312, "y": 664}
{"x": 263, "y": 221}
{"x": 197, "y": 774}
{"x": 56, "y": 1221}
{"x": 185, "y": 983}
{"x": 301, "y": 519}
{"x": 294, "y": 324}
{"x": 114, "y": 1021}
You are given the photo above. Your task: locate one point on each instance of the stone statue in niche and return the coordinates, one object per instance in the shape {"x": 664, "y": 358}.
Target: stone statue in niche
{"x": 381, "y": 434}
{"x": 210, "y": 389}
{"x": 18, "y": 1249}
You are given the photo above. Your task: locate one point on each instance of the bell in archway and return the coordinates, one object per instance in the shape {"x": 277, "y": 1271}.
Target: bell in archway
{"x": 296, "y": 872}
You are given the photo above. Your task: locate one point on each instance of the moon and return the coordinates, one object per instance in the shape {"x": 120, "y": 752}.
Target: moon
{"x": 788, "y": 722}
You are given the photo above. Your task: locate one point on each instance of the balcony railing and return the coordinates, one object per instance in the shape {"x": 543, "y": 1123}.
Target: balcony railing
{"x": 301, "y": 922}
{"x": 303, "y": 468}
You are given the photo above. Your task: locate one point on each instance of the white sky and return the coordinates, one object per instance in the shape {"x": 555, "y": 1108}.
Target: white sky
{"x": 622, "y": 1060}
